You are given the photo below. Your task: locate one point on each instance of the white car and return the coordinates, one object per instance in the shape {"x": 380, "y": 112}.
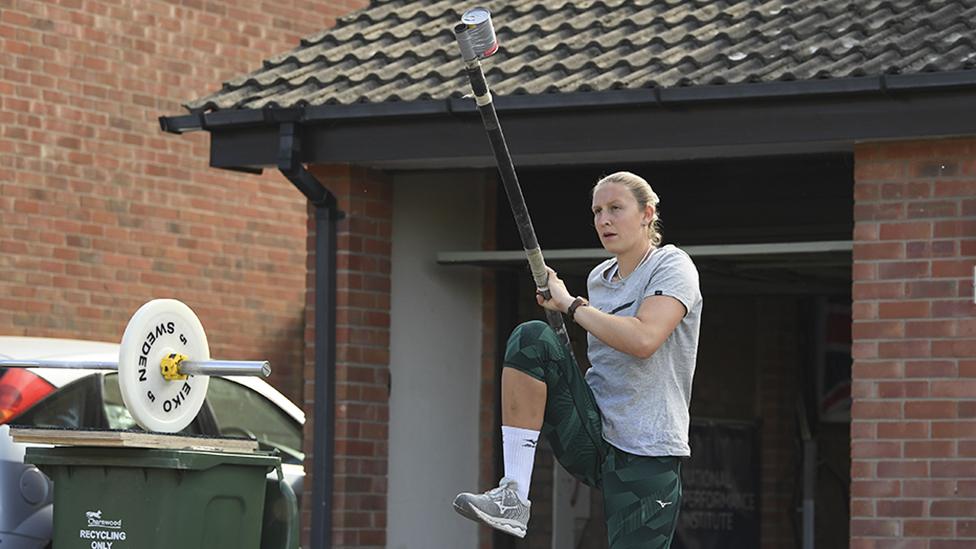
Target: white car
{"x": 90, "y": 399}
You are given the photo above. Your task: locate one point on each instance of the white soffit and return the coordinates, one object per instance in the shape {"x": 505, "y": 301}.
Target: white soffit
{"x": 716, "y": 250}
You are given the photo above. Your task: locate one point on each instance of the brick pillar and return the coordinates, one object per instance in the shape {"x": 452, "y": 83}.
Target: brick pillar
{"x": 777, "y": 364}
{"x": 913, "y": 430}
{"x": 362, "y": 357}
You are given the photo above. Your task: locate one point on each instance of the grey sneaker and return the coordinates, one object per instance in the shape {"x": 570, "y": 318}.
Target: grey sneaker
{"x": 500, "y": 508}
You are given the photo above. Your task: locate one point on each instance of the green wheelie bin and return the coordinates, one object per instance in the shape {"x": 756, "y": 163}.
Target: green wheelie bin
{"x": 121, "y": 498}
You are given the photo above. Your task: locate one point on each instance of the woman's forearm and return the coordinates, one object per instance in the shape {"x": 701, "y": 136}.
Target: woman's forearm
{"x": 626, "y": 334}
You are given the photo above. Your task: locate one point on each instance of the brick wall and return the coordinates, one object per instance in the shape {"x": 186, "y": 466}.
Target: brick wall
{"x": 913, "y": 435}
{"x": 362, "y": 357}
{"x": 100, "y": 211}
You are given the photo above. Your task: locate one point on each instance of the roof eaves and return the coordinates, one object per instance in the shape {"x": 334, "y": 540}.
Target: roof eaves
{"x": 662, "y": 97}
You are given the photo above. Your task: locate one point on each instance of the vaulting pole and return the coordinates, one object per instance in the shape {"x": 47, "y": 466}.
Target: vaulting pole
{"x": 476, "y": 39}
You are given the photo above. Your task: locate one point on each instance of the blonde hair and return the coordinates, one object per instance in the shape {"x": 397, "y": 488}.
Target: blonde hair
{"x": 644, "y": 194}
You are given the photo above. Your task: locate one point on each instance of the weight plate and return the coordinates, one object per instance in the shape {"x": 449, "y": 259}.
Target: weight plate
{"x": 158, "y": 328}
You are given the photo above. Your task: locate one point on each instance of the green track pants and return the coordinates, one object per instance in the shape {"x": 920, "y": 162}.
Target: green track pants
{"x": 641, "y": 494}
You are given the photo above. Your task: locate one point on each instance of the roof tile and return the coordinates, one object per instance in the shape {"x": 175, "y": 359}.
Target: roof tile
{"x": 398, "y": 50}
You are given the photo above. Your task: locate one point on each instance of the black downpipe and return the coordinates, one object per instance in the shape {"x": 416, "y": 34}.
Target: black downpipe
{"x": 327, "y": 215}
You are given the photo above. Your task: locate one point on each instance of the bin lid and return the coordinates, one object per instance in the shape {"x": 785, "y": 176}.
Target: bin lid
{"x": 146, "y": 458}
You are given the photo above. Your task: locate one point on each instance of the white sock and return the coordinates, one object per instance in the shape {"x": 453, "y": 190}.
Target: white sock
{"x": 518, "y": 446}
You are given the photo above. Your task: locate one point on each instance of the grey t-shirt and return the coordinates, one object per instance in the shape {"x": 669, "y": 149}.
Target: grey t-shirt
{"x": 644, "y": 402}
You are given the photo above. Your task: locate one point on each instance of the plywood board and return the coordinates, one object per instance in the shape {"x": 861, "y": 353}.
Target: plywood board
{"x": 131, "y": 439}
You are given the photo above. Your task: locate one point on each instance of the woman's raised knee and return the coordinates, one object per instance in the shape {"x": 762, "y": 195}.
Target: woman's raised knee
{"x": 533, "y": 341}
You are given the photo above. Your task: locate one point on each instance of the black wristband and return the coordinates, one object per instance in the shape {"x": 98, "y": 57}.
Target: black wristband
{"x": 576, "y": 304}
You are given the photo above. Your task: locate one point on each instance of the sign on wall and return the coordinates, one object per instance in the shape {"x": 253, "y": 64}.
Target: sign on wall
{"x": 720, "y": 503}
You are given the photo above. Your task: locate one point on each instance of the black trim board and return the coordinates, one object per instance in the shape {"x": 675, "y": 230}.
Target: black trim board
{"x": 643, "y": 131}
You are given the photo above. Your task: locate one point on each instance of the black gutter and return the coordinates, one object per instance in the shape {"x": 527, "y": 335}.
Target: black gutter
{"x": 885, "y": 84}
{"x": 327, "y": 215}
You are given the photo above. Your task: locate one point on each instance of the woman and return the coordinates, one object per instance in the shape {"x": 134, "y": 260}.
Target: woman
{"x": 624, "y": 426}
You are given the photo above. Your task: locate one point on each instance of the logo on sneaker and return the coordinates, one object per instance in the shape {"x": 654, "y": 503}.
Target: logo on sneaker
{"x": 529, "y": 443}
{"x": 502, "y": 508}
{"x": 664, "y": 504}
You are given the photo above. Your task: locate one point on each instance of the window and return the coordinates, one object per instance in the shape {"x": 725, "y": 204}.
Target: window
{"x": 240, "y": 411}
{"x": 70, "y": 407}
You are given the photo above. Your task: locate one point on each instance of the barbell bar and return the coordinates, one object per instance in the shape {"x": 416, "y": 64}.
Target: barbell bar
{"x": 164, "y": 366}
{"x": 187, "y": 367}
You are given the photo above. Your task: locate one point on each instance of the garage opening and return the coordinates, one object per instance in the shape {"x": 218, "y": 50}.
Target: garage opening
{"x": 771, "y": 238}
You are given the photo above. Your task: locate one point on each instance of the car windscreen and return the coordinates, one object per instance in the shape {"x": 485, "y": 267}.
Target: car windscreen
{"x": 241, "y": 411}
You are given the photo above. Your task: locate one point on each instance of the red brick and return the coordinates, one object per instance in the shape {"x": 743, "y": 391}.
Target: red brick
{"x": 930, "y": 368}
{"x": 956, "y": 468}
{"x": 878, "y": 290}
{"x": 862, "y": 470}
{"x": 913, "y": 230}
{"x": 930, "y": 288}
{"x": 878, "y": 171}
{"x": 930, "y": 449}
{"x": 952, "y": 269}
{"x": 903, "y": 429}
{"x": 960, "y": 388}
{"x": 927, "y": 249}
{"x": 863, "y": 271}
{"x": 876, "y": 409}
{"x": 966, "y": 327}
{"x": 928, "y": 528}
{"x": 864, "y": 350}
{"x": 954, "y": 429}
{"x": 900, "y": 508}
{"x": 906, "y": 349}
{"x": 875, "y": 527}
{"x": 928, "y": 488}
{"x": 865, "y": 192}
{"x": 879, "y": 211}
{"x": 905, "y": 309}
{"x": 931, "y": 409}
{"x": 930, "y": 328}
{"x": 956, "y": 188}
{"x": 866, "y": 231}
{"x": 864, "y": 251}
{"x": 874, "y": 450}
{"x": 953, "y": 309}
{"x": 966, "y": 529}
{"x": 932, "y": 209}
{"x": 961, "y": 348}
{"x": 954, "y": 228}
{"x": 861, "y": 389}
{"x": 967, "y": 409}
{"x": 903, "y": 469}
{"x": 862, "y": 508}
{"x": 950, "y": 544}
{"x": 880, "y": 369}
{"x": 969, "y": 207}
{"x": 864, "y": 311}
{"x": 964, "y": 488}
{"x": 861, "y": 429}
{"x": 953, "y": 508}
{"x": 904, "y": 270}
